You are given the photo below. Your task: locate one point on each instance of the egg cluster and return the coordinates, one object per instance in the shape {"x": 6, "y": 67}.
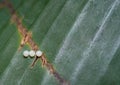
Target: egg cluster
{"x": 32, "y": 53}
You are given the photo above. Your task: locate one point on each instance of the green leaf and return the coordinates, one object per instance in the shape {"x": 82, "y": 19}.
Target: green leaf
{"x": 81, "y": 38}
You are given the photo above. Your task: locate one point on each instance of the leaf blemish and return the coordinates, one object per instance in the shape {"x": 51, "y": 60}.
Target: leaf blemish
{"x": 27, "y": 39}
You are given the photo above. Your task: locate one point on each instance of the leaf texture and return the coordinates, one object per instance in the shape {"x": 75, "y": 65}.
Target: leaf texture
{"x": 81, "y": 38}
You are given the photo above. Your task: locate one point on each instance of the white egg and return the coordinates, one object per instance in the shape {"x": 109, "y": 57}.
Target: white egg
{"x": 39, "y": 53}
{"x": 26, "y": 53}
{"x": 32, "y": 53}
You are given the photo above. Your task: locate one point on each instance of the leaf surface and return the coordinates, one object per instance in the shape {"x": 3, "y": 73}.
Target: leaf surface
{"x": 81, "y": 38}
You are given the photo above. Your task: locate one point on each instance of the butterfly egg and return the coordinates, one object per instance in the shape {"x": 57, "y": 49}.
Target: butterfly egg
{"x": 32, "y": 53}
{"x": 39, "y": 53}
{"x": 26, "y": 53}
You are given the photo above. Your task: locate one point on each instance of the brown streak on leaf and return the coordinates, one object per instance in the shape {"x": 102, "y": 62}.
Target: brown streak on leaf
{"x": 27, "y": 38}
{"x": 2, "y": 5}
{"x": 33, "y": 63}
